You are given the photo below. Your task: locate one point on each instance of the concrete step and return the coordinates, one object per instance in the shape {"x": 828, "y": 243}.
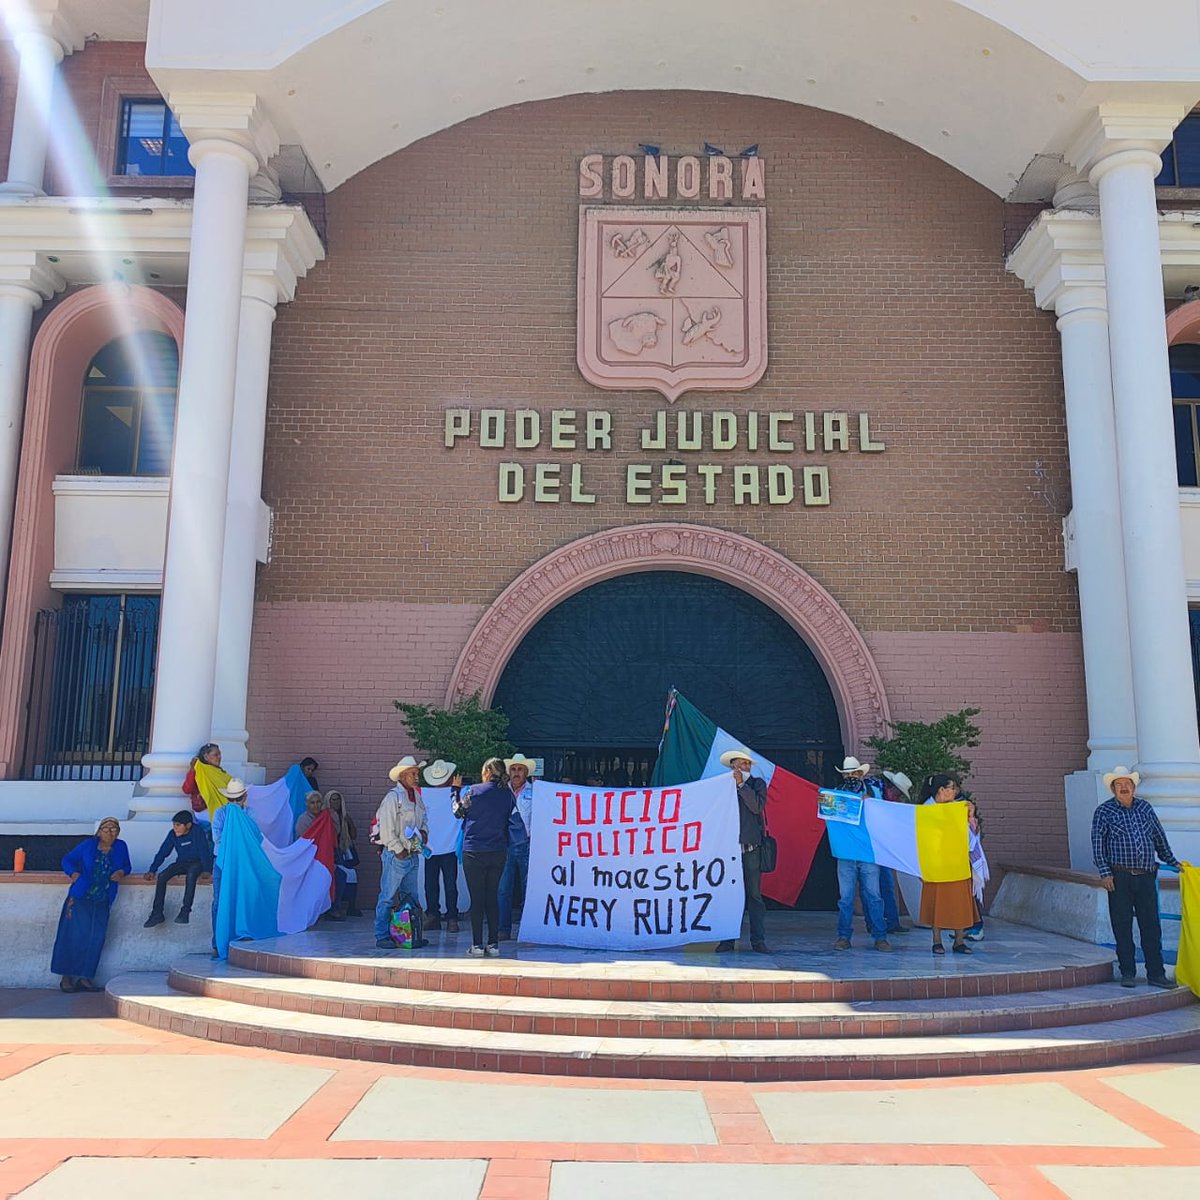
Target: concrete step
{"x": 553, "y": 1016}
{"x": 811, "y": 976}
{"x": 149, "y": 1000}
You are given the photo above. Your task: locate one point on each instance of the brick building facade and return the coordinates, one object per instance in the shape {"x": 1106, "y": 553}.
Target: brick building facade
{"x": 405, "y": 261}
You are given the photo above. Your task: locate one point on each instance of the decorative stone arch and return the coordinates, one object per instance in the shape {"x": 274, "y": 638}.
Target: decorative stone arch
{"x": 69, "y": 338}
{"x": 765, "y": 574}
{"x": 1183, "y": 323}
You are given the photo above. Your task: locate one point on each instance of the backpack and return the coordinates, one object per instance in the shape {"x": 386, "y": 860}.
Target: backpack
{"x": 406, "y": 922}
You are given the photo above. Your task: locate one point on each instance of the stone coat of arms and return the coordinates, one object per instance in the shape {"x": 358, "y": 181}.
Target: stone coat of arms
{"x": 672, "y": 299}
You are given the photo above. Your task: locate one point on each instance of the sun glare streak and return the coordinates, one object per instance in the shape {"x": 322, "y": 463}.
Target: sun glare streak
{"x": 78, "y": 175}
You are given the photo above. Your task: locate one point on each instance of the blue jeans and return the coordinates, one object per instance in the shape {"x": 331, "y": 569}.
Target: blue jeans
{"x": 854, "y": 875}
{"x": 887, "y": 893}
{"x": 516, "y": 874}
{"x": 395, "y": 874}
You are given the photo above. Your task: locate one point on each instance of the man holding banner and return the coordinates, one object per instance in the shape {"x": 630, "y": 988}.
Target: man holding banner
{"x": 752, "y": 805}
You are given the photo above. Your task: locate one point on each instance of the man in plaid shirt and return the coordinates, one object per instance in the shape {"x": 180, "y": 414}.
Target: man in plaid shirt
{"x": 1127, "y": 842}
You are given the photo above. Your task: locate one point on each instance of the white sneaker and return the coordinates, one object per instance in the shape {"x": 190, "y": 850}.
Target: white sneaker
{"x": 974, "y": 937}
{"x": 475, "y": 952}
{"x": 492, "y": 951}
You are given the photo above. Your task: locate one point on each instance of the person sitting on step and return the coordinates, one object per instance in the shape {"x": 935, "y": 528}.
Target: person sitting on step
{"x": 313, "y": 803}
{"x": 193, "y": 858}
{"x": 346, "y": 855}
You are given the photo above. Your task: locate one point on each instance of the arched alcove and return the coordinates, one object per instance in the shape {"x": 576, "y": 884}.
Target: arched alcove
{"x": 69, "y": 338}
{"x": 739, "y": 561}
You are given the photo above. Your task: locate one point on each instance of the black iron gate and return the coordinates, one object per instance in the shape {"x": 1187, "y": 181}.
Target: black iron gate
{"x": 91, "y": 688}
{"x": 586, "y": 689}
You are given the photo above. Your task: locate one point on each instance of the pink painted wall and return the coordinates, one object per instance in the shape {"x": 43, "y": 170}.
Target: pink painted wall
{"x": 323, "y": 677}
{"x": 1034, "y": 722}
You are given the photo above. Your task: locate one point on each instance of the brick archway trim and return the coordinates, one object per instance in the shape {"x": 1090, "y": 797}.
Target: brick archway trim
{"x": 1183, "y": 323}
{"x": 763, "y": 573}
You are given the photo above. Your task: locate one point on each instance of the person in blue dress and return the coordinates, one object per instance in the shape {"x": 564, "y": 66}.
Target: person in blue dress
{"x": 95, "y": 868}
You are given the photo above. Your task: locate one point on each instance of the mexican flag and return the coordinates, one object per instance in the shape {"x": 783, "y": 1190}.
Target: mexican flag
{"x": 691, "y": 749}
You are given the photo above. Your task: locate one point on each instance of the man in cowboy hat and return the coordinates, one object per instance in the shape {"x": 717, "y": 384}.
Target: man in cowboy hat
{"x": 752, "y": 804}
{"x": 520, "y": 824}
{"x": 866, "y": 878}
{"x": 857, "y": 777}
{"x": 441, "y": 868}
{"x": 403, "y": 830}
{"x": 1127, "y": 842}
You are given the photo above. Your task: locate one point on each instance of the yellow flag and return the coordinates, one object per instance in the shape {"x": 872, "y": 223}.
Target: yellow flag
{"x": 1187, "y": 965}
{"x": 942, "y": 844}
{"x": 208, "y": 780}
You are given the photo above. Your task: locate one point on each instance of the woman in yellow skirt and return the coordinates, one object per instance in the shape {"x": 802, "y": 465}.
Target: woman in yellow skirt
{"x": 946, "y": 905}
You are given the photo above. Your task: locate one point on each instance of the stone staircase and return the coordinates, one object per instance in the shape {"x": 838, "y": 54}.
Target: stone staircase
{"x": 864, "y": 1016}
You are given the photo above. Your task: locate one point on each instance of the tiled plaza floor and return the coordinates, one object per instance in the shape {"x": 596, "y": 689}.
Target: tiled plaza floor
{"x": 92, "y": 1105}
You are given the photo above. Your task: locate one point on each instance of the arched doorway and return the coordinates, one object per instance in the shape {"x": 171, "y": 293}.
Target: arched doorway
{"x": 586, "y": 687}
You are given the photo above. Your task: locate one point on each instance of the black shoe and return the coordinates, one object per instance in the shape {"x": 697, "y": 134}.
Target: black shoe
{"x": 900, "y": 929}
{"x": 433, "y": 922}
{"x": 1161, "y": 982}
{"x": 354, "y": 912}
{"x": 384, "y": 944}
{"x": 760, "y": 947}
{"x": 1128, "y": 981}
{"x": 420, "y": 943}
{"x": 155, "y": 918}
{"x": 725, "y": 947}
{"x": 183, "y": 918}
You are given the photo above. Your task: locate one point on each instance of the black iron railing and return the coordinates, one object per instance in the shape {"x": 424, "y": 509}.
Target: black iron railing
{"x": 91, "y": 688}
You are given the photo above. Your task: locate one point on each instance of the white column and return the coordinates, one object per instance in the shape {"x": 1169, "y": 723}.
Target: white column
{"x": 1096, "y": 516}
{"x": 184, "y": 686}
{"x": 259, "y": 296}
{"x": 39, "y": 55}
{"x": 1121, "y": 153}
{"x": 17, "y": 305}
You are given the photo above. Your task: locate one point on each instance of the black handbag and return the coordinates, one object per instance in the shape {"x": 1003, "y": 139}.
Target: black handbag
{"x": 768, "y": 854}
{"x": 768, "y": 850}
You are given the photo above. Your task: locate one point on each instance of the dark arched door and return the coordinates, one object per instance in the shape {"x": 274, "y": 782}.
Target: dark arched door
{"x": 586, "y": 689}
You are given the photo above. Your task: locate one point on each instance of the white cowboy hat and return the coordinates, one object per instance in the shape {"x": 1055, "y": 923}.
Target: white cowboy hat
{"x": 741, "y": 752}
{"x": 407, "y": 763}
{"x": 519, "y": 760}
{"x": 235, "y": 789}
{"x": 901, "y": 781}
{"x": 850, "y": 765}
{"x": 1116, "y": 773}
{"x": 439, "y": 772}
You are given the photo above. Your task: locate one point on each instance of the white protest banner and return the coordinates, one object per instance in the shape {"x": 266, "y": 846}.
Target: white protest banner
{"x": 635, "y": 868}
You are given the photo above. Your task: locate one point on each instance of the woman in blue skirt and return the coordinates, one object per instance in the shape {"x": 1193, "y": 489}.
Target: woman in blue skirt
{"x": 95, "y": 867}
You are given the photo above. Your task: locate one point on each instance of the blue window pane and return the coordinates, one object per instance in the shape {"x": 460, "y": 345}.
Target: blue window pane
{"x": 128, "y": 424}
{"x": 1187, "y": 151}
{"x": 1185, "y": 371}
{"x": 151, "y": 141}
{"x": 1194, "y": 623}
{"x": 175, "y": 154}
{"x": 1185, "y": 446}
{"x": 1166, "y": 177}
